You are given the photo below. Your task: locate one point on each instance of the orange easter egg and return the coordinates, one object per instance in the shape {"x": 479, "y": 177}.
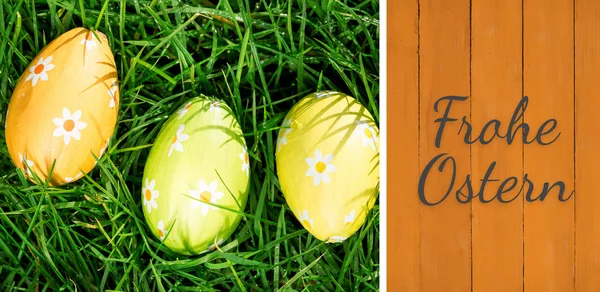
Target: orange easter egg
{"x": 64, "y": 108}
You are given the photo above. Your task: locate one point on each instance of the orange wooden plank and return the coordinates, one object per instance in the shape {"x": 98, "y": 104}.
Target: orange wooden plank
{"x": 403, "y": 142}
{"x": 587, "y": 103}
{"x": 548, "y": 82}
{"x": 445, "y": 236}
{"x": 496, "y": 78}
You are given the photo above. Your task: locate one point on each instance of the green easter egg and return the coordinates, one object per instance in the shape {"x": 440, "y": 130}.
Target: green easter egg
{"x": 196, "y": 178}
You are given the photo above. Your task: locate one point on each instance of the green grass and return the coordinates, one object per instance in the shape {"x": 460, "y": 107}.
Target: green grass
{"x": 259, "y": 57}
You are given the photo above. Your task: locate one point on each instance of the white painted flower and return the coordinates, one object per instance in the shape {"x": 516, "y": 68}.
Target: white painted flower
{"x": 184, "y": 110}
{"x": 103, "y": 149}
{"x": 214, "y": 105}
{"x": 112, "y": 92}
{"x": 336, "y": 239}
{"x": 304, "y": 218}
{"x": 369, "y": 137}
{"x": 70, "y": 179}
{"x": 22, "y": 163}
{"x": 176, "y": 142}
{"x": 69, "y": 126}
{"x": 102, "y": 35}
{"x": 283, "y": 133}
{"x": 214, "y": 246}
{"x": 39, "y": 71}
{"x": 205, "y": 193}
{"x": 245, "y": 160}
{"x": 348, "y": 219}
{"x": 319, "y": 167}
{"x": 89, "y": 43}
{"x": 150, "y": 195}
{"x": 323, "y": 94}
{"x": 161, "y": 230}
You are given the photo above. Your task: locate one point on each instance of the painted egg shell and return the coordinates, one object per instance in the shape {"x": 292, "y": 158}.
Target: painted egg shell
{"x": 196, "y": 178}
{"x": 64, "y": 108}
{"x": 327, "y": 161}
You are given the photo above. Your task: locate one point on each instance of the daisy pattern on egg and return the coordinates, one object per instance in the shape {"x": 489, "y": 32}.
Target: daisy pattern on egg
{"x": 77, "y": 176}
{"x": 349, "y": 219}
{"x": 176, "y": 142}
{"x": 101, "y": 152}
{"x": 205, "y": 194}
{"x": 39, "y": 70}
{"x": 283, "y": 133}
{"x": 184, "y": 110}
{"x": 245, "y": 160}
{"x": 319, "y": 167}
{"x": 323, "y": 94}
{"x": 103, "y": 149}
{"x": 88, "y": 42}
{"x": 214, "y": 105}
{"x": 161, "y": 230}
{"x": 69, "y": 126}
{"x": 25, "y": 164}
{"x": 336, "y": 239}
{"x": 112, "y": 92}
{"x": 103, "y": 36}
{"x": 150, "y": 195}
{"x": 214, "y": 246}
{"x": 304, "y": 218}
{"x": 368, "y": 135}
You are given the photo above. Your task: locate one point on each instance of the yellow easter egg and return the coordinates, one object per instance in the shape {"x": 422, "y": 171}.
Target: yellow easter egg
{"x": 327, "y": 160}
{"x": 64, "y": 108}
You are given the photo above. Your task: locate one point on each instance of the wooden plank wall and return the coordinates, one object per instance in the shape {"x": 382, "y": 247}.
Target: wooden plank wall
{"x": 489, "y": 55}
{"x": 587, "y": 145}
{"x": 496, "y": 82}
{"x": 548, "y": 79}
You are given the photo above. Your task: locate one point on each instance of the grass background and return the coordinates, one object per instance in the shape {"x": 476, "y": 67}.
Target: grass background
{"x": 259, "y": 57}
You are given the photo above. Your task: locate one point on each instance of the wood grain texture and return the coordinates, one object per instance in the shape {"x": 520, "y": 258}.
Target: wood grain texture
{"x": 403, "y": 132}
{"x": 494, "y": 52}
{"x": 548, "y": 82}
{"x": 587, "y": 154}
{"x": 496, "y": 78}
{"x": 445, "y": 229}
